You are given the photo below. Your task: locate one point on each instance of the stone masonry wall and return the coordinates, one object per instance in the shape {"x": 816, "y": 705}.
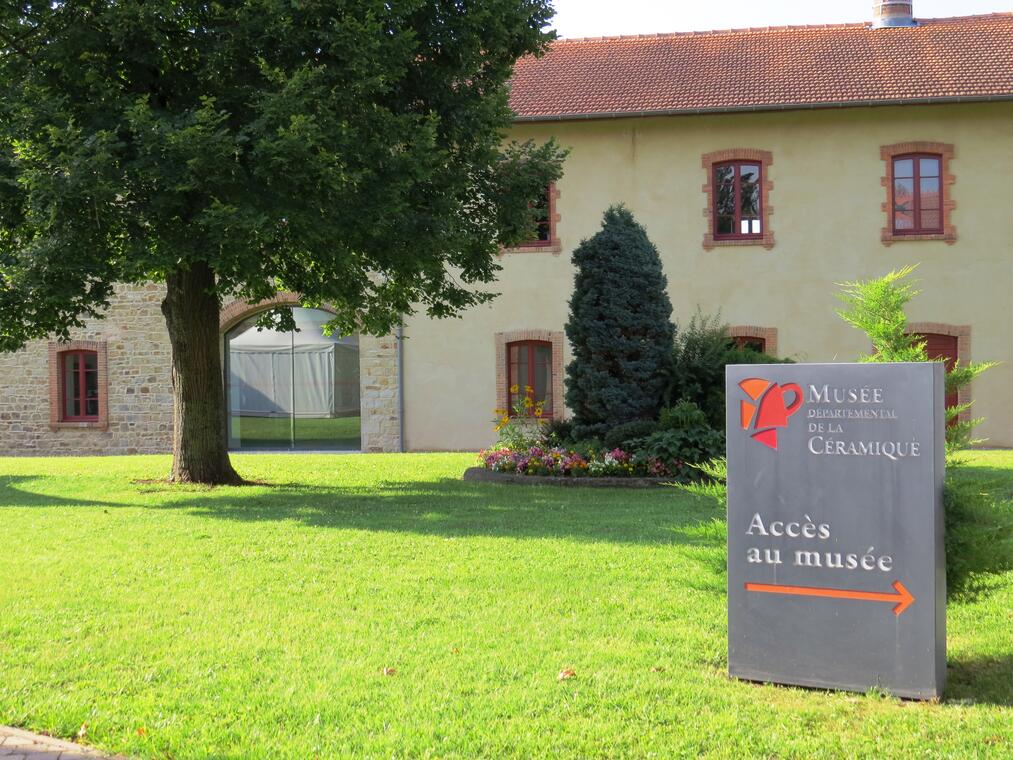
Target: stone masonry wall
{"x": 139, "y": 392}
{"x": 378, "y": 389}
{"x": 137, "y": 378}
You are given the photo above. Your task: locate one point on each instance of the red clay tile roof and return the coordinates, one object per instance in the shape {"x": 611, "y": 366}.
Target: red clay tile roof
{"x": 946, "y": 59}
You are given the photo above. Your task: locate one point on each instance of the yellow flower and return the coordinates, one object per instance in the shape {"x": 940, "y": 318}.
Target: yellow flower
{"x": 528, "y": 403}
{"x": 513, "y": 388}
{"x": 504, "y": 420}
{"x": 528, "y": 389}
{"x": 538, "y": 412}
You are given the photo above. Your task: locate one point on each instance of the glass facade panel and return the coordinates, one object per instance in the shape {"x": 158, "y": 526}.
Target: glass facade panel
{"x": 293, "y": 390}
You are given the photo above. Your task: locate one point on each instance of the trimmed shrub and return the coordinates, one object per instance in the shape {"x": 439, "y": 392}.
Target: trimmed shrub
{"x": 620, "y": 436}
{"x": 619, "y": 328}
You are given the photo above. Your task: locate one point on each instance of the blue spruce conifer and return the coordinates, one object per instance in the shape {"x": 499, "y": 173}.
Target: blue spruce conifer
{"x": 620, "y": 328}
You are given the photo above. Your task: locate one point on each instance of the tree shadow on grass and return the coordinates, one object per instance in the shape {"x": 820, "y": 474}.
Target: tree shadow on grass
{"x": 452, "y": 508}
{"x": 986, "y": 680}
{"x": 446, "y": 507}
{"x": 15, "y": 493}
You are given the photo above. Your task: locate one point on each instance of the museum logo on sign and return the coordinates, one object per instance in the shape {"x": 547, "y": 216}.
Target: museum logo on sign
{"x": 767, "y": 409}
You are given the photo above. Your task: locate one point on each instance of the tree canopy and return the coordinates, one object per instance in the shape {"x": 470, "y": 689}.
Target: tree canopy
{"x": 352, "y": 152}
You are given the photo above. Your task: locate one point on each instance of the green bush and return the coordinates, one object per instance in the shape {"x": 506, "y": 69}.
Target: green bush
{"x": 620, "y": 436}
{"x": 684, "y": 414}
{"x": 559, "y": 432}
{"x": 696, "y": 365}
{"x": 876, "y": 307}
{"x": 692, "y": 445}
{"x": 588, "y": 447}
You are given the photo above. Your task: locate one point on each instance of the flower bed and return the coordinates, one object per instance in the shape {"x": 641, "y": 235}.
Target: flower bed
{"x": 482, "y": 475}
{"x": 561, "y": 462}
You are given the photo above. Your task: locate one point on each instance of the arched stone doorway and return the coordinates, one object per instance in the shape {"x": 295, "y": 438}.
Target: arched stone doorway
{"x": 295, "y": 390}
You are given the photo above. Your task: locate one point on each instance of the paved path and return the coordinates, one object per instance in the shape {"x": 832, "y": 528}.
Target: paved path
{"x": 16, "y": 744}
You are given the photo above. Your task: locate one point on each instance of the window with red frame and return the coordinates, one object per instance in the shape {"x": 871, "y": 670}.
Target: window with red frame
{"x": 737, "y": 212}
{"x": 917, "y": 197}
{"x": 529, "y": 374}
{"x": 79, "y": 386}
{"x": 542, "y": 208}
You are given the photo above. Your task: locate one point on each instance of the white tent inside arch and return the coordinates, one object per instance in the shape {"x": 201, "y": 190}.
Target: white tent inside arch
{"x": 325, "y": 369}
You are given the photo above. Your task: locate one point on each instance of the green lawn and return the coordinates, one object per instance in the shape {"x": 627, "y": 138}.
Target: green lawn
{"x": 257, "y": 622}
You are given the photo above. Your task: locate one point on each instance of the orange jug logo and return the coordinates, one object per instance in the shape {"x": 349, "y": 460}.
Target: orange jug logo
{"x": 767, "y": 411}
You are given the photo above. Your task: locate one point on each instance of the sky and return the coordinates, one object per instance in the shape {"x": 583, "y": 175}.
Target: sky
{"x": 597, "y": 18}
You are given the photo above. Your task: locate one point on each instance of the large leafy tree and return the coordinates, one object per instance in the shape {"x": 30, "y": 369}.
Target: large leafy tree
{"x": 620, "y": 327}
{"x": 352, "y": 151}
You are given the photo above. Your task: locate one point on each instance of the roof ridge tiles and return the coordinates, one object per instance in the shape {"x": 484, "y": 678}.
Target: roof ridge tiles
{"x": 777, "y": 28}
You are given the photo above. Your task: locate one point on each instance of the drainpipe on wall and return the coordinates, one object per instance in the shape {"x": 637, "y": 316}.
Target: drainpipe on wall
{"x": 400, "y": 385}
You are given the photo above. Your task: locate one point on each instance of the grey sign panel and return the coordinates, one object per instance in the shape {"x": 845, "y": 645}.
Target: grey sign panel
{"x": 836, "y": 568}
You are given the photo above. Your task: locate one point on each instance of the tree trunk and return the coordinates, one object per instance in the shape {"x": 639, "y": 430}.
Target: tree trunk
{"x": 200, "y": 451}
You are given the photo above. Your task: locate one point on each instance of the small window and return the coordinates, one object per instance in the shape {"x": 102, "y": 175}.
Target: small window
{"x": 79, "y": 386}
{"x": 544, "y": 208}
{"x": 737, "y": 194}
{"x": 754, "y": 343}
{"x": 529, "y": 375}
{"x": 917, "y": 199}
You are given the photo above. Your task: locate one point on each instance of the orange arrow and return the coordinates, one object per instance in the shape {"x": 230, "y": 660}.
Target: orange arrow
{"x": 902, "y": 599}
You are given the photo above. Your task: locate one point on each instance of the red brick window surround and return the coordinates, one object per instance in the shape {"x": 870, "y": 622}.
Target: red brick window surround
{"x": 78, "y": 385}
{"x": 962, "y": 333}
{"x": 547, "y": 237}
{"x": 758, "y": 338}
{"x": 918, "y": 205}
{"x": 738, "y": 191}
{"x": 530, "y": 358}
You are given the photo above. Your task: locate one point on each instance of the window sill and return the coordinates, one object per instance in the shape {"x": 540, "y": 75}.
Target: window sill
{"x": 98, "y": 424}
{"x": 889, "y": 237}
{"x": 766, "y": 241}
{"x": 553, "y": 246}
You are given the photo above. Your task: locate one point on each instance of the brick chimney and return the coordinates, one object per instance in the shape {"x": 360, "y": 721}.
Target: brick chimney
{"x": 887, "y": 13}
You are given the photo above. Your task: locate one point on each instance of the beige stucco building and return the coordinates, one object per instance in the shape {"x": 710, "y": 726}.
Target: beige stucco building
{"x": 853, "y": 152}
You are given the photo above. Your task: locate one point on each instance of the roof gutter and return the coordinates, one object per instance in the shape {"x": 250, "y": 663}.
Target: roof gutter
{"x": 767, "y": 107}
